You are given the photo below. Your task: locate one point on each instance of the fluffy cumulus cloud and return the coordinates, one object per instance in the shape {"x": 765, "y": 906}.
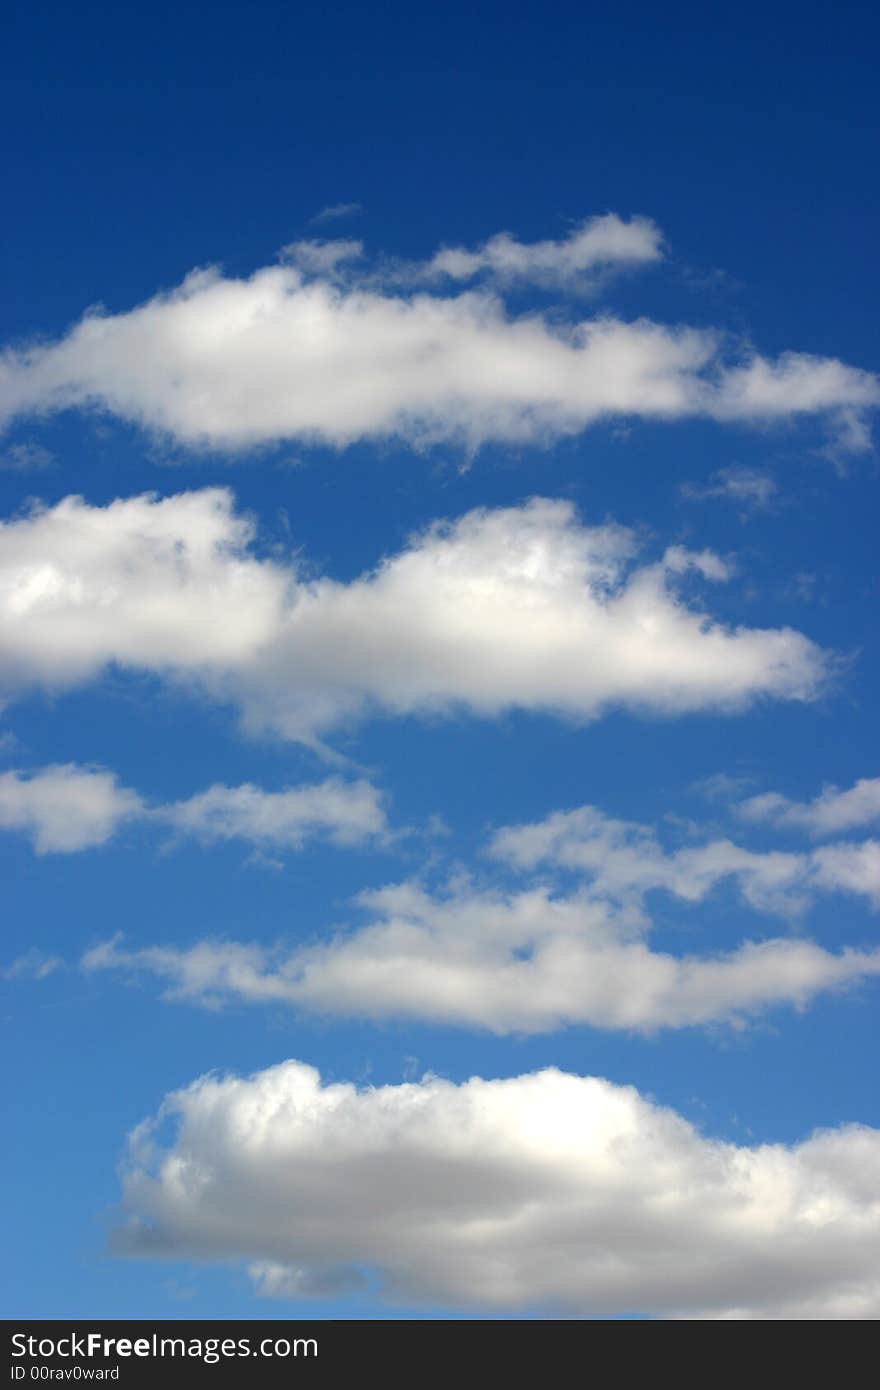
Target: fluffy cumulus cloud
{"x": 65, "y": 808}
{"x": 522, "y": 607}
{"x": 528, "y": 961}
{"x": 831, "y": 812}
{"x": 158, "y": 584}
{"x": 548, "y": 1190}
{"x": 299, "y": 352}
{"x": 69, "y": 808}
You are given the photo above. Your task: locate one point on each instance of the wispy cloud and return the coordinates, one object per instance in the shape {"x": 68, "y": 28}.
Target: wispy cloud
{"x": 594, "y": 248}
{"x": 33, "y": 965}
{"x": 750, "y": 489}
{"x": 535, "y": 959}
{"x": 830, "y": 813}
{"x": 335, "y": 212}
{"x": 25, "y": 458}
{"x": 625, "y": 860}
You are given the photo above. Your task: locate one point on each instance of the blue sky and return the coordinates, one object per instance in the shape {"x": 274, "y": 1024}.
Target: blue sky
{"x": 324, "y": 744}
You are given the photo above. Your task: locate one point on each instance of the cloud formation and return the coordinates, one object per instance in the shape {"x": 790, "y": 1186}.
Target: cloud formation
{"x": 599, "y": 244}
{"x": 296, "y": 352}
{"x": 69, "y": 808}
{"x": 851, "y": 868}
{"x": 517, "y": 608}
{"x": 624, "y": 860}
{"x": 547, "y": 1190}
{"x": 347, "y": 813}
{"x": 831, "y": 812}
{"x": 65, "y": 808}
{"x": 157, "y": 584}
{"x": 528, "y": 962}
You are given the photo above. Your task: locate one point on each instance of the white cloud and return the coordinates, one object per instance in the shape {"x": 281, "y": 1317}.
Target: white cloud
{"x": 526, "y": 962}
{"x": 69, "y": 808}
{"x": 853, "y": 868}
{"x": 522, "y": 607}
{"x": 348, "y": 813}
{"x": 624, "y": 860}
{"x": 597, "y": 245}
{"x": 154, "y": 584}
{"x": 295, "y": 353}
{"x": 65, "y": 808}
{"x": 829, "y": 813}
{"x": 545, "y": 1191}
{"x": 795, "y": 383}
{"x": 678, "y": 560}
